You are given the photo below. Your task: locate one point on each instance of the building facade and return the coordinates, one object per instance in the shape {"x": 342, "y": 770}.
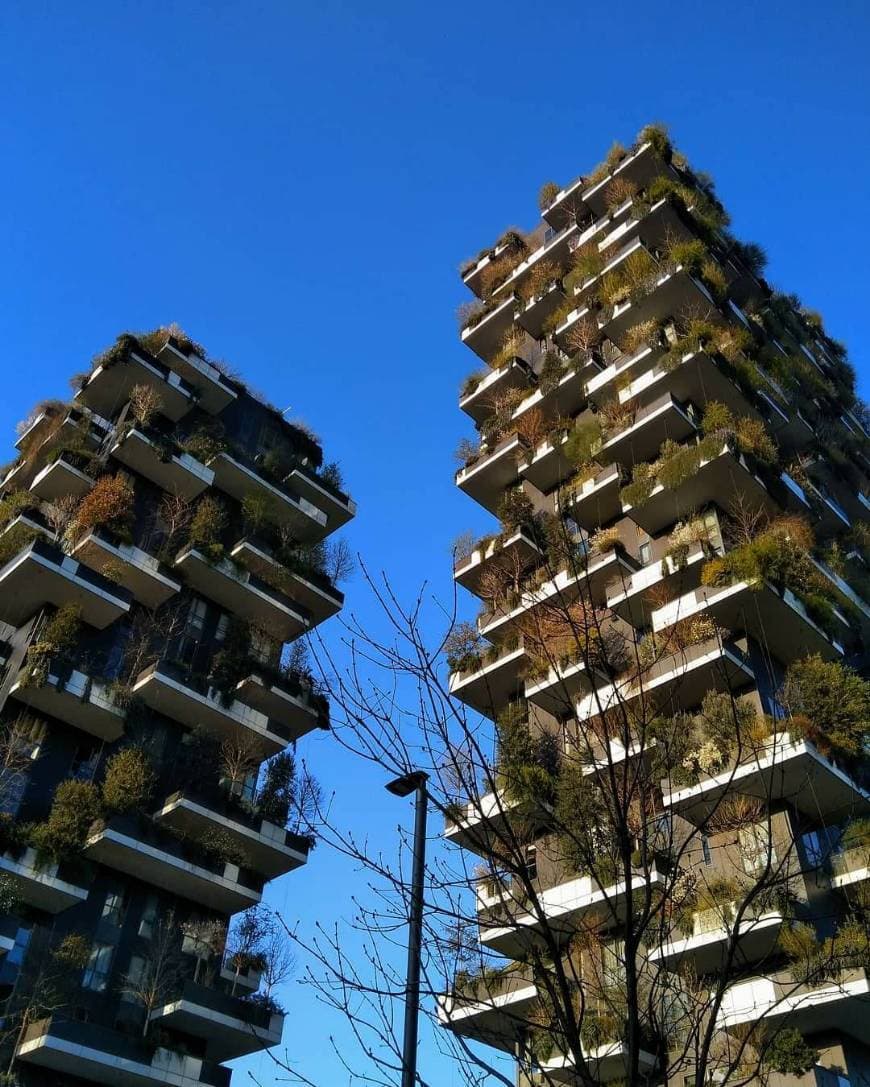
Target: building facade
{"x": 163, "y": 542}
{"x": 678, "y": 582}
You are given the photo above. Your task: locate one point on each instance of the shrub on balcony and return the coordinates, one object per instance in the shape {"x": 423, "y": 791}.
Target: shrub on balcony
{"x": 206, "y": 441}
{"x": 14, "y": 541}
{"x": 604, "y": 541}
{"x": 515, "y": 510}
{"x": 75, "y": 808}
{"x": 656, "y": 134}
{"x": 109, "y": 505}
{"x": 471, "y": 382}
{"x": 57, "y": 637}
{"x": 835, "y": 699}
{"x": 613, "y": 158}
{"x": 618, "y": 191}
{"x": 547, "y": 194}
{"x": 526, "y": 763}
{"x": 129, "y": 780}
{"x": 789, "y": 1054}
{"x": 587, "y": 262}
{"x": 552, "y": 369}
{"x": 538, "y": 280}
{"x": 714, "y": 279}
{"x": 644, "y": 334}
{"x": 584, "y": 442}
{"x": 643, "y": 482}
{"x": 206, "y": 528}
{"x": 630, "y": 280}
{"x": 15, "y": 503}
{"x": 463, "y": 648}
{"x": 157, "y": 339}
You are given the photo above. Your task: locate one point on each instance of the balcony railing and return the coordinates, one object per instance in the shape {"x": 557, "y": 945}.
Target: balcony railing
{"x": 491, "y": 1008}
{"x": 291, "y": 703}
{"x": 108, "y": 386}
{"x": 314, "y": 591}
{"x": 238, "y": 476}
{"x": 62, "y": 477}
{"x": 157, "y": 457}
{"x": 73, "y": 697}
{"x": 214, "y": 391}
{"x": 51, "y": 887}
{"x": 145, "y": 576}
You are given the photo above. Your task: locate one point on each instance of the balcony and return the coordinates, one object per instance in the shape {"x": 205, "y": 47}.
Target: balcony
{"x": 595, "y": 501}
{"x": 635, "y": 598}
{"x": 489, "y": 682}
{"x": 601, "y": 387}
{"x": 238, "y": 479}
{"x": 270, "y": 850}
{"x": 479, "y": 823}
{"x": 547, "y": 466}
{"x": 100, "y": 1055}
{"x": 673, "y": 292}
{"x": 108, "y": 387}
{"x": 532, "y": 315}
{"x": 215, "y": 392}
{"x": 50, "y": 888}
{"x": 295, "y": 707}
{"x": 585, "y": 579}
{"x": 714, "y": 932}
{"x": 313, "y": 592}
{"x": 60, "y": 478}
{"x": 243, "y": 594}
{"x": 154, "y": 458}
{"x": 781, "y": 769}
{"x": 719, "y": 480}
{"x": 839, "y": 1006}
{"x": 486, "y": 336}
{"x": 560, "y": 685}
{"x": 676, "y": 682}
{"x": 562, "y": 906}
{"x": 486, "y": 479}
{"x": 72, "y": 428}
{"x": 190, "y": 700}
{"x": 641, "y": 440}
{"x": 775, "y": 617}
{"x": 145, "y": 576}
{"x": 338, "y": 507}
{"x": 42, "y": 574}
{"x": 604, "y": 1063}
{"x": 492, "y": 1009}
{"x": 565, "y": 399}
{"x": 75, "y": 698}
{"x": 850, "y": 866}
{"x": 517, "y": 549}
{"x": 144, "y": 852}
{"x": 230, "y": 1026}
{"x": 514, "y": 374}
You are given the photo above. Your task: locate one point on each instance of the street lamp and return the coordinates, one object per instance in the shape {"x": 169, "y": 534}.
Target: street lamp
{"x": 414, "y": 782}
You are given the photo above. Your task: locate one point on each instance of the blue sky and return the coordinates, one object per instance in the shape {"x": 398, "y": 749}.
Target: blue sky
{"x": 297, "y": 184}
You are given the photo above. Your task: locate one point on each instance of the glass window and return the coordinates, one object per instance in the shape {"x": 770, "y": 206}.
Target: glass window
{"x": 113, "y": 907}
{"x": 705, "y": 849}
{"x": 613, "y": 963}
{"x": 84, "y": 763}
{"x": 756, "y": 848}
{"x": 532, "y": 861}
{"x": 99, "y": 965}
{"x": 645, "y": 552}
{"x": 15, "y": 955}
{"x": 150, "y": 913}
{"x": 133, "y": 979}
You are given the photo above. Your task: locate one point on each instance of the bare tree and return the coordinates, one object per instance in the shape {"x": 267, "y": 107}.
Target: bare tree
{"x": 160, "y": 970}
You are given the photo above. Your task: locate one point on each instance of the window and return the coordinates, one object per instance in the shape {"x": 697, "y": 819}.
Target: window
{"x": 96, "y": 976}
{"x": 263, "y": 648}
{"x": 222, "y": 627}
{"x": 113, "y": 908}
{"x": 531, "y": 857}
{"x": 705, "y": 850}
{"x": 150, "y": 913}
{"x": 613, "y": 964}
{"x": 193, "y": 633}
{"x": 133, "y": 980}
{"x": 15, "y": 955}
{"x": 645, "y": 553}
{"x": 756, "y": 848}
{"x": 23, "y": 746}
{"x": 84, "y": 763}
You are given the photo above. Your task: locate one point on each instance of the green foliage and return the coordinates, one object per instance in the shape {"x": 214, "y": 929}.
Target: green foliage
{"x": 547, "y": 194}
{"x": 581, "y": 818}
{"x": 279, "y": 788}
{"x": 834, "y": 698}
{"x": 463, "y": 648}
{"x": 583, "y": 442}
{"x": 206, "y": 527}
{"x": 232, "y": 662}
{"x": 73, "y": 951}
{"x": 551, "y": 373}
{"x": 13, "y": 837}
{"x": 789, "y": 1053}
{"x": 15, "y": 503}
{"x": 656, "y": 134}
{"x": 14, "y": 541}
{"x": 206, "y": 441}
{"x": 57, "y": 637}
{"x": 526, "y": 764}
{"x": 75, "y": 807}
{"x": 222, "y": 847}
{"x": 129, "y": 780}
{"x": 689, "y": 254}
{"x": 515, "y": 510}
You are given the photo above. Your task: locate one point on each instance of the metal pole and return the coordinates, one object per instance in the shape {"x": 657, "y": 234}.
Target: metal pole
{"x": 415, "y": 938}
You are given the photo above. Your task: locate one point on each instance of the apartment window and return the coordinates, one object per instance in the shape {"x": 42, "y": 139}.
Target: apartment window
{"x": 133, "y": 980}
{"x": 96, "y": 976}
{"x": 756, "y": 848}
{"x": 828, "y": 1077}
{"x": 15, "y": 955}
{"x": 531, "y": 858}
{"x": 613, "y": 964}
{"x": 193, "y": 634}
{"x": 23, "y": 747}
{"x": 263, "y": 648}
{"x": 113, "y": 908}
{"x": 150, "y": 915}
{"x": 644, "y": 552}
{"x": 706, "y": 851}
{"x": 12, "y": 791}
{"x": 84, "y": 763}
{"x": 222, "y": 627}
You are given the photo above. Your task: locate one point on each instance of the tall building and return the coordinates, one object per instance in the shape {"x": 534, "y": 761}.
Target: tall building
{"x": 674, "y": 602}
{"x": 163, "y": 544}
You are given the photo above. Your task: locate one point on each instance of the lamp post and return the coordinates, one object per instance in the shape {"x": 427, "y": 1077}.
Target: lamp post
{"x": 414, "y": 782}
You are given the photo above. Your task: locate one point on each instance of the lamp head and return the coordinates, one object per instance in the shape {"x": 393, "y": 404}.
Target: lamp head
{"x": 407, "y": 784}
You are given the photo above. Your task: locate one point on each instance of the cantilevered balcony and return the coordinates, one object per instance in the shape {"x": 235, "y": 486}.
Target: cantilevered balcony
{"x": 487, "y": 477}
{"x": 513, "y": 551}
{"x": 782, "y": 769}
{"x": 238, "y": 477}
{"x": 698, "y": 379}
{"x": 313, "y": 592}
{"x": 100, "y": 1055}
{"x": 150, "y": 582}
{"x": 563, "y": 400}
{"x": 489, "y": 681}
{"x": 546, "y": 466}
{"x": 42, "y": 574}
{"x": 513, "y": 374}
{"x": 108, "y": 386}
{"x": 850, "y": 867}
{"x": 714, "y": 931}
{"x": 140, "y": 849}
{"x": 677, "y": 681}
{"x": 507, "y": 928}
{"x": 635, "y": 597}
{"x": 557, "y": 687}
{"x": 73, "y": 697}
{"x": 45, "y": 887}
{"x": 269, "y": 849}
{"x": 477, "y": 825}
{"x": 229, "y": 1026}
{"x": 673, "y": 292}
{"x": 487, "y": 334}
{"x": 585, "y": 579}
{"x": 61, "y": 477}
{"x": 722, "y": 479}
{"x": 665, "y": 418}
{"x": 294, "y": 706}
{"x": 159, "y": 460}
{"x": 190, "y": 700}
{"x": 215, "y": 392}
{"x": 38, "y": 428}
{"x": 533, "y": 313}
{"x": 603, "y": 1063}
{"x": 338, "y": 507}
{"x": 492, "y": 1009}
{"x": 75, "y": 427}
{"x": 837, "y": 1005}
{"x": 602, "y": 386}
{"x": 595, "y": 501}
{"x": 243, "y": 594}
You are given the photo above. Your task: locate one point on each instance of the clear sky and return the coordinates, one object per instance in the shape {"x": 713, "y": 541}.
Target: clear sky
{"x": 296, "y": 185}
